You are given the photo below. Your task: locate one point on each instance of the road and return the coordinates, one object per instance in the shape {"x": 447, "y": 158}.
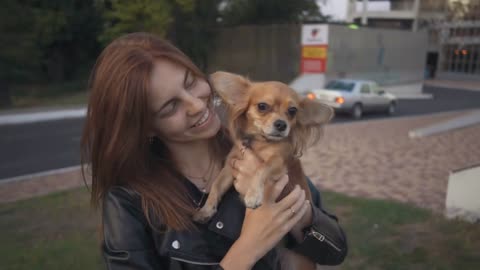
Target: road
{"x": 36, "y": 147}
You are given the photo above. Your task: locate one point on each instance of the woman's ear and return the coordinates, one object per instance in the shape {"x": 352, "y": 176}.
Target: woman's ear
{"x": 314, "y": 113}
{"x": 232, "y": 88}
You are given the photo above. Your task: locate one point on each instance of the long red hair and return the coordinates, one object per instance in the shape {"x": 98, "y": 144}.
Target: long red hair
{"x": 115, "y": 146}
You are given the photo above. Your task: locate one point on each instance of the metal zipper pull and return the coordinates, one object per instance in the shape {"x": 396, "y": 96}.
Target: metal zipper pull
{"x": 322, "y": 238}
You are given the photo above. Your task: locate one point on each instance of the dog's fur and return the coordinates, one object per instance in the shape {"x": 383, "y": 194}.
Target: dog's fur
{"x": 275, "y": 135}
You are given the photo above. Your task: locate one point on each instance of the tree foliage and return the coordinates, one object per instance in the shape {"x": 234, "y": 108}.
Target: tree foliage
{"x": 55, "y": 40}
{"x": 238, "y": 12}
{"x": 46, "y": 38}
{"x": 124, "y": 16}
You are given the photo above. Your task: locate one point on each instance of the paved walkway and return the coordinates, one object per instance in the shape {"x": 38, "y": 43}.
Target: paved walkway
{"x": 374, "y": 159}
{"x": 465, "y": 85}
{"x": 377, "y": 159}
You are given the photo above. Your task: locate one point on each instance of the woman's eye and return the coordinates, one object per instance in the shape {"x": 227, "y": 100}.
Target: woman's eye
{"x": 262, "y": 106}
{"x": 170, "y": 109}
{"x": 190, "y": 80}
{"x": 292, "y": 111}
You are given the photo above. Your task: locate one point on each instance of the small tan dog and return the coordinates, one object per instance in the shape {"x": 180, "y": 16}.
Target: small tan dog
{"x": 276, "y": 124}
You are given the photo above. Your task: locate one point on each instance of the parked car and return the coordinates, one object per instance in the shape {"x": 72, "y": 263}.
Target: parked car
{"x": 355, "y": 97}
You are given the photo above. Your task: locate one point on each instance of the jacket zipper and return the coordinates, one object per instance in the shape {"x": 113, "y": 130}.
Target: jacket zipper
{"x": 192, "y": 262}
{"x": 322, "y": 238}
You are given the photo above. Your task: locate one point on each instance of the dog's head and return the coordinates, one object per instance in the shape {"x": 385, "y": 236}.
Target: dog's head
{"x": 269, "y": 109}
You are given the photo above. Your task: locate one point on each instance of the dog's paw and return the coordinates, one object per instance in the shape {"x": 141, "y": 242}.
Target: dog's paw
{"x": 205, "y": 214}
{"x": 253, "y": 199}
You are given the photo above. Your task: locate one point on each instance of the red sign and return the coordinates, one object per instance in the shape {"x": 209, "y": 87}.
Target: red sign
{"x": 313, "y": 65}
{"x": 314, "y": 58}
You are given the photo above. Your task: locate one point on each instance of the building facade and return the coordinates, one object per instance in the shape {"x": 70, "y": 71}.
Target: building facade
{"x": 453, "y": 28}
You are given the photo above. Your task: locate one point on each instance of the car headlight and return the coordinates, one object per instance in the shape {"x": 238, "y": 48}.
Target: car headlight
{"x": 339, "y": 100}
{"x": 311, "y": 96}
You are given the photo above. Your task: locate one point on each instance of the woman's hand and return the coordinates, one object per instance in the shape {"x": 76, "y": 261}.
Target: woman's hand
{"x": 244, "y": 167}
{"x": 265, "y": 226}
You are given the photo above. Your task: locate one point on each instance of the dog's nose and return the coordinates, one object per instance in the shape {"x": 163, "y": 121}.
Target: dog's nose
{"x": 280, "y": 125}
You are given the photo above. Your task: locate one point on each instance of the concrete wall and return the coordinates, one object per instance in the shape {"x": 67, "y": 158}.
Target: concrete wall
{"x": 386, "y": 56}
{"x": 462, "y": 194}
{"x": 270, "y": 52}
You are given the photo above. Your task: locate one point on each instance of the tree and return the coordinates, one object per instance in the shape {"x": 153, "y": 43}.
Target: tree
{"x": 187, "y": 23}
{"x": 194, "y": 30}
{"x": 121, "y": 17}
{"x": 238, "y": 12}
{"x": 66, "y": 32}
{"x": 19, "y": 56}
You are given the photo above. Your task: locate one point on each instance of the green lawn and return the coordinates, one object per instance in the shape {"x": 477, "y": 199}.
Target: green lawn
{"x": 45, "y": 95}
{"x": 59, "y": 232}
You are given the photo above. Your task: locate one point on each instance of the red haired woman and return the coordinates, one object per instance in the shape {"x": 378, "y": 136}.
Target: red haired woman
{"x": 153, "y": 144}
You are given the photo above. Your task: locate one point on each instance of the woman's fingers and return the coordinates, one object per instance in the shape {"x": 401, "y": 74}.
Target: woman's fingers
{"x": 291, "y": 198}
{"x": 246, "y": 161}
{"x": 290, "y": 223}
{"x": 294, "y": 209}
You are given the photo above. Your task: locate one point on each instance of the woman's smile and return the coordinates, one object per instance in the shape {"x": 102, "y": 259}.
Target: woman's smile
{"x": 203, "y": 120}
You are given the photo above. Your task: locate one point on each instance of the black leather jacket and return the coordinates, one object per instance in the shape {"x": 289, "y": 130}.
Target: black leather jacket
{"x": 129, "y": 242}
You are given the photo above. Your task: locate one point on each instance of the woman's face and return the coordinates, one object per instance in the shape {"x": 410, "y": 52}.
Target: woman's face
{"x": 178, "y": 101}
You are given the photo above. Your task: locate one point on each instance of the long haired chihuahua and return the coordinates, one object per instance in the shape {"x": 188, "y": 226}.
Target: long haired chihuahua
{"x": 276, "y": 124}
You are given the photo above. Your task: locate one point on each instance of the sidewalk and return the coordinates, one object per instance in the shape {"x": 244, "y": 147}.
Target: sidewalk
{"x": 377, "y": 159}
{"x": 461, "y": 85}
{"x": 373, "y": 159}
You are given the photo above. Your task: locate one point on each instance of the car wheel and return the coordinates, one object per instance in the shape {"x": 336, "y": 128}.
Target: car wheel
{"x": 357, "y": 111}
{"x": 392, "y": 108}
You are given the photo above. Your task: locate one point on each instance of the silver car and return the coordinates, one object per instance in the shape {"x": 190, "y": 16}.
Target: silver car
{"x": 355, "y": 97}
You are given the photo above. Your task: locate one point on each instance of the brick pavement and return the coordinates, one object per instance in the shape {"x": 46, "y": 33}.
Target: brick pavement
{"x": 377, "y": 159}
{"x": 374, "y": 159}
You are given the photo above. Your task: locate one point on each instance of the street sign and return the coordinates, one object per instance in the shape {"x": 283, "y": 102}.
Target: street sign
{"x": 314, "y": 48}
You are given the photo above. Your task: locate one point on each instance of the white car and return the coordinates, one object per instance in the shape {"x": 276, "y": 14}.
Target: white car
{"x": 355, "y": 97}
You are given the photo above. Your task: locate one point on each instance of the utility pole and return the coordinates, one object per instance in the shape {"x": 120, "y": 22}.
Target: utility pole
{"x": 364, "y": 12}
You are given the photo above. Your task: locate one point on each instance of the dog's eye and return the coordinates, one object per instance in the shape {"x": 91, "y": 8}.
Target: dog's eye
{"x": 292, "y": 111}
{"x": 262, "y": 106}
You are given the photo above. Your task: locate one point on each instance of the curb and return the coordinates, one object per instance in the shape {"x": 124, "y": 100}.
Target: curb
{"x": 38, "y": 184}
{"x": 394, "y": 118}
{"x": 470, "y": 119}
{"x": 24, "y": 118}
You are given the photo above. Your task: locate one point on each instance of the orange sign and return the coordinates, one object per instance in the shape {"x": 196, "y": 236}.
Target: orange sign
{"x": 314, "y": 52}
{"x": 314, "y": 59}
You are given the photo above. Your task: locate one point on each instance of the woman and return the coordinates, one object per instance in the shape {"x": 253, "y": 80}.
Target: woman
{"x": 154, "y": 143}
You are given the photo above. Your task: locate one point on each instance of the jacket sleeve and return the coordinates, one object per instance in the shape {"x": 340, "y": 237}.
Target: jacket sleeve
{"x": 127, "y": 243}
{"x": 324, "y": 241}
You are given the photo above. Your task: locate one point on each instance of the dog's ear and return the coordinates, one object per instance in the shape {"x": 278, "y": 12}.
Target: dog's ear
{"x": 232, "y": 88}
{"x": 313, "y": 113}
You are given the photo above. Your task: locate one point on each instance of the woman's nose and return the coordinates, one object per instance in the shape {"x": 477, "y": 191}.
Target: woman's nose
{"x": 195, "y": 105}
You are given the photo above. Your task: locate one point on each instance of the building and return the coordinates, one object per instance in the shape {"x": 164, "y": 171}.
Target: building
{"x": 453, "y": 28}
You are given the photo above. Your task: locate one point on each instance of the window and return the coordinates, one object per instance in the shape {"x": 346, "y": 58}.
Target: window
{"x": 340, "y": 86}
{"x": 464, "y": 59}
{"x": 365, "y": 89}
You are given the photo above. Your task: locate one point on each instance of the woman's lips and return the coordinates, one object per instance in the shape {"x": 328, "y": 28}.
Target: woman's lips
{"x": 203, "y": 120}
